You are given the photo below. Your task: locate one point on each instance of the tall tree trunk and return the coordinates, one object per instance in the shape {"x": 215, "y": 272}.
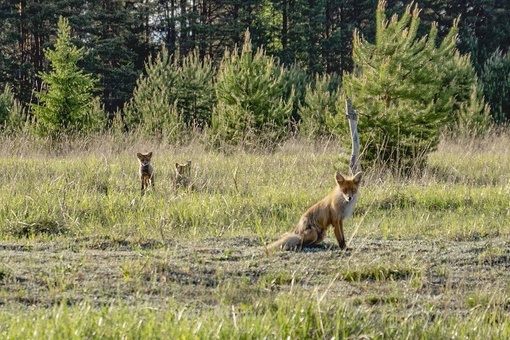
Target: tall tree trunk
{"x": 183, "y": 41}
{"x": 170, "y": 34}
{"x": 23, "y": 42}
{"x": 285, "y": 32}
{"x": 204, "y": 16}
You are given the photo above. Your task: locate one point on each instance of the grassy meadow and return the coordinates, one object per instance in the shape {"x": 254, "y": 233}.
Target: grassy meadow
{"x": 84, "y": 255}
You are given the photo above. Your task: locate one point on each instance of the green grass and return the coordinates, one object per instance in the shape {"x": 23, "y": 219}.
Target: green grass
{"x": 277, "y": 319}
{"x": 84, "y": 255}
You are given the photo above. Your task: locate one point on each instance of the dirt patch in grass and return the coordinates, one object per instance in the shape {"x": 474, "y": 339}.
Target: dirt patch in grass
{"x": 414, "y": 274}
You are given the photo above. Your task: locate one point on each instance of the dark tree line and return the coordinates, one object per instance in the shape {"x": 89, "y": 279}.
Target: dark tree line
{"x": 119, "y": 36}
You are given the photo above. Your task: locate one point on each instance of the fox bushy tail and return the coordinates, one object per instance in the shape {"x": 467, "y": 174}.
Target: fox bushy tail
{"x": 288, "y": 241}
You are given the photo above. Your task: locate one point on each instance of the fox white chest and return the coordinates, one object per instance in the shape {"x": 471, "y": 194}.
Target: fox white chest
{"x": 349, "y": 207}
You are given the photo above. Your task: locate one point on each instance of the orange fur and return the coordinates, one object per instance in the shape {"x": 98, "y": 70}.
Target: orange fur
{"x": 146, "y": 171}
{"x": 331, "y": 210}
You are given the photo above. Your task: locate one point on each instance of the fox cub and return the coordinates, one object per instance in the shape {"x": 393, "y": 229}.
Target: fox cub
{"x": 146, "y": 171}
{"x": 331, "y": 210}
{"x": 183, "y": 175}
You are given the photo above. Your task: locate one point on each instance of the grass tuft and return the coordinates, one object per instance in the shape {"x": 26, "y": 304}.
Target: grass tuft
{"x": 381, "y": 273}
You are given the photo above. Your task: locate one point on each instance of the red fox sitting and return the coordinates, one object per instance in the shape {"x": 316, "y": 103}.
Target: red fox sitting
{"x": 331, "y": 210}
{"x": 146, "y": 171}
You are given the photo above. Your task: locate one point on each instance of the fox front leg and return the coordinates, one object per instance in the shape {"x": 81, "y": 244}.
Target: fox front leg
{"x": 143, "y": 187}
{"x": 339, "y": 233}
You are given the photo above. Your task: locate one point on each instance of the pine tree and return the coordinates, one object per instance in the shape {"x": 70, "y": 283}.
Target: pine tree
{"x": 170, "y": 97}
{"x": 295, "y": 81}
{"x": 65, "y": 105}
{"x": 117, "y": 34}
{"x": 319, "y": 106}
{"x": 251, "y": 108}
{"x": 12, "y": 114}
{"x": 496, "y": 85}
{"x": 406, "y": 88}
{"x": 194, "y": 91}
{"x": 152, "y": 108}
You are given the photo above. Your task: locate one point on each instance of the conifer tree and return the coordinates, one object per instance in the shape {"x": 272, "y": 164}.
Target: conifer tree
{"x": 250, "y": 91}
{"x": 65, "y": 105}
{"x": 405, "y": 88}
{"x": 496, "y": 85}
{"x": 319, "y": 106}
{"x": 194, "y": 91}
{"x": 474, "y": 114}
{"x": 151, "y": 110}
{"x": 12, "y": 114}
{"x": 169, "y": 98}
{"x": 295, "y": 81}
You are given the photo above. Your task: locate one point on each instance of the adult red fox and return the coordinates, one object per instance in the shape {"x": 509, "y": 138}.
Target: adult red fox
{"x": 331, "y": 210}
{"x": 146, "y": 171}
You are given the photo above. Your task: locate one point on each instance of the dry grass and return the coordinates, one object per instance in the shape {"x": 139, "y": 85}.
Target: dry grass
{"x": 80, "y": 247}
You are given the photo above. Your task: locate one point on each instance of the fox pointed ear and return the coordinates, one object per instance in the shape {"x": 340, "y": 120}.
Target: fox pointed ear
{"x": 357, "y": 177}
{"x": 139, "y": 155}
{"x": 339, "y": 177}
{"x": 149, "y": 154}
{"x": 189, "y": 161}
{"x": 177, "y": 165}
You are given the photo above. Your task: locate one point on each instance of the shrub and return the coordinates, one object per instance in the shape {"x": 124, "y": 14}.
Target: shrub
{"x": 152, "y": 109}
{"x": 12, "y": 114}
{"x": 407, "y": 88}
{"x": 252, "y": 108}
{"x": 169, "y": 98}
{"x": 496, "y": 85}
{"x": 320, "y": 107}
